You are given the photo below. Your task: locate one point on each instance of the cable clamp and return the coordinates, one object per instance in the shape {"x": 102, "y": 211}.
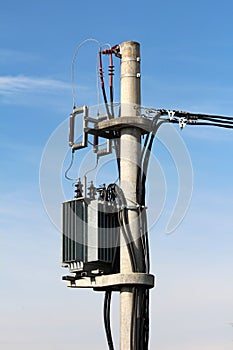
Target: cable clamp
{"x": 134, "y": 207}
{"x": 182, "y": 122}
{"x": 131, "y": 59}
{"x": 128, "y": 75}
{"x": 171, "y": 114}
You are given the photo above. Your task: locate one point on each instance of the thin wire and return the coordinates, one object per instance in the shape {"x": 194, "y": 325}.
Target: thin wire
{"x": 69, "y": 167}
{"x": 73, "y": 61}
{"x": 89, "y": 171}
{"x": 101, "y": 144}
{"x": 71, "y": 164}
{"x": 97, "y": 75}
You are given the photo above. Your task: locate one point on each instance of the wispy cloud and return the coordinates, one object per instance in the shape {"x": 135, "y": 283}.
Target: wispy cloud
{"x": 32, "y": 90}
{"x": 21, "y": 83}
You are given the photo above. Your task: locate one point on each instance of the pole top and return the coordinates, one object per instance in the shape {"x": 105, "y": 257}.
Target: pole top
{"x": 130, "y": 42}
{"x": 130, "y": 49}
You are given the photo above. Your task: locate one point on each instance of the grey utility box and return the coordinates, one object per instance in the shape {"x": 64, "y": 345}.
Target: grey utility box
{"x": 90, "y": 237}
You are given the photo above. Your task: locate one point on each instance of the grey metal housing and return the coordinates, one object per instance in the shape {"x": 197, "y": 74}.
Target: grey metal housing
{"x": 90, "y": 237}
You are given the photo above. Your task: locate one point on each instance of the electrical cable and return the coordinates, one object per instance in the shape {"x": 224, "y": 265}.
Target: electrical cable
{"x": 197, "y": 118}
{"x": 92, "y": 144}
{"x": 136, "y": 320}
{"x": 117, "y": 151}
{"x": 73, "y": 62}
{"x": 124, "y": 224}
{"x": 196, "y": 123}
{"x": 97, "y": 76}
{"x": 69, "y": 167}
{"x": 215, "y": 124}
{"x": 129, "y": 243}
{"x": 107, "y": 304}
{"x": 142, "y": 309}
{"x": 103, "y": 85}
{"x": 116, "y": 140}
{"x": 146, "y": 159}
{"x": 111, "y": 73}
{"x": 92, "y": 169}
{"x": 133, "y": 319}
{"x": 110, "y": 115}
{"x": 200, "y": 115}
{"x": 216, "y": 120}
{"x": 145, "y": 238}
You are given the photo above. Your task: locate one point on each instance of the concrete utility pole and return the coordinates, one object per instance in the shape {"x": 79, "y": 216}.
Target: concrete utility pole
{"x": 90, "y": 268}
{"x": 130, "y": 141}
{"x": 88, "y": 230}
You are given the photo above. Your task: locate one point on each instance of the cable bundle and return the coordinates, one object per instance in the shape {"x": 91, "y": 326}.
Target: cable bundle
{"x": 197, "y": 119}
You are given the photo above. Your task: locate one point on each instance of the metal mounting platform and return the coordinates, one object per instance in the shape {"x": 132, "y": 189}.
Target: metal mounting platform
{"x": 114, "y": 281}
{"x": 104, "y": 128}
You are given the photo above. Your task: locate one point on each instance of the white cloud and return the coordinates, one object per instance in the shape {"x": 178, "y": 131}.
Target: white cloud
{"x": 21, "y": 83}
{"x": 32, "y": 90}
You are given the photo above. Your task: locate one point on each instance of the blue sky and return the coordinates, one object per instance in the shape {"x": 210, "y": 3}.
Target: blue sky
{"x": 186, "y": 51}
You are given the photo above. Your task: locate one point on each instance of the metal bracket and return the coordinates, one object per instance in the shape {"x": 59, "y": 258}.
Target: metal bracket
{"x": 105, "y": 148}
{"x": 182, "y": 122}
{"x": 104, "y": 151}
{"x": 171, "y": 114}
{"x": 80, "y": 110}
{"x": 128, "y": 75}
{"x": 113, "y": 281}
{"x": 131, "y": 59}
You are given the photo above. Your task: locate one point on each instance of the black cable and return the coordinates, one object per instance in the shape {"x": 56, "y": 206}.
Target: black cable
{"x": 114, "y": 192}
{"x": 142, "y": 309}
{"x": 145, "y": 238}
{"x": 197, "y": 116}
{"x": 133, "y": 332}
{"x": 215, "y": 124}
{"x": 139, "y": 320}
{"x": 111, "y": 101}
{"x": 204, "y": 124}
{"x": 107, "y": 303}
{"x": 129, "y": 242}
{"x": 200, "y": 115}
{"x": 106, "y": 102}
{"x": 117, "y": 151}
{"x": 110, "y": 115}
{"x": 69, "y": 167}
{"x": 216, "y": 120}
{"x": 146, "y": 159}
{"x": 103, "y": 86}
{"x": 144, "y": 146}
{"x": 146, "y": 319}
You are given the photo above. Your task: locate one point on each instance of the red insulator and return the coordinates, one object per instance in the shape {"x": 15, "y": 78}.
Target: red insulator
{"x": 111, "y": 70}
{"x": 101, "y": 70}
{"x": 107, "y": 52}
